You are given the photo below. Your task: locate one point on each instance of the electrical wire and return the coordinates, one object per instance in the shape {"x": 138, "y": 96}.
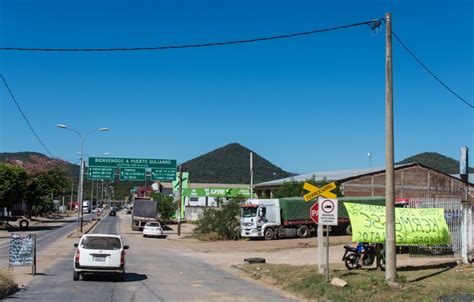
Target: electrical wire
{"x": 373, "y": 24}
{"x": 431, "y": 73}
{"x": 24, "y": 116}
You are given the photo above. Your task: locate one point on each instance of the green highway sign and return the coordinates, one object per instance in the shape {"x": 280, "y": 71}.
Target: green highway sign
{"x": 163, "y": 174}
{"x": 132, "y": 174}
{"x": 132, "y": 162}
{"x": 217, "y": 192}
{"x": 104, "y": 173}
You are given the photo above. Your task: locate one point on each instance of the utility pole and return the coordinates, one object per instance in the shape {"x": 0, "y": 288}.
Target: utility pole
{"x": 72, "y": 195}
{"x": 251, "y": 175}
{"x": 180, "y": 194}
{"x": 390, "y": 249}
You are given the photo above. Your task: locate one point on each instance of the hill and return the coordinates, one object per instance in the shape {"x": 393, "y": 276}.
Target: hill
{"x": 231, "y": 164}
{"x": 436, "y": 161}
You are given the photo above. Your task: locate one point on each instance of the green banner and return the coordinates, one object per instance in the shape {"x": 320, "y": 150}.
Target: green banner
{"x": 185, "y": 181}
{"x": 217, "y": 192}
{"x": 412, "y": 226}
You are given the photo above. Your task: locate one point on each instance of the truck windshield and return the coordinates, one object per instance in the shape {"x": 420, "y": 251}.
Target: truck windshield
{"x": 249, "y": 212}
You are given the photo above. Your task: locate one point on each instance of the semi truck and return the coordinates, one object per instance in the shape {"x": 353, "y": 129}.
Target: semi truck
{"x": 144, "y": 210}
{"x": 290, "y": 217}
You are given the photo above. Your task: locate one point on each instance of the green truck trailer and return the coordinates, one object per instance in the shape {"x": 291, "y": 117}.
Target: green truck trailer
{"x": 290, "y": 217}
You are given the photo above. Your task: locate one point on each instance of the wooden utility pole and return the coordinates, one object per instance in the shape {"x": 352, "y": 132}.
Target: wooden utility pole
{"x": 180, "y": 194}
{"x": 390, "y": 249}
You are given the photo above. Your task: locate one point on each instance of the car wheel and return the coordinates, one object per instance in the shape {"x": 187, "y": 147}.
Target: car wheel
{"x": 75, "y": 276}
{"x": 24, "y": 223}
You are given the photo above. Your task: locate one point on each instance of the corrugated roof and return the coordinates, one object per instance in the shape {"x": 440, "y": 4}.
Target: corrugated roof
{"x": 334, "y": 175}
{"x": 470, "y": 177}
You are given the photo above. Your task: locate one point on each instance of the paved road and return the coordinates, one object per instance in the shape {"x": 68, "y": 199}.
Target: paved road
{"x": 46, "y": 234}
{"x": 153, "y": 274}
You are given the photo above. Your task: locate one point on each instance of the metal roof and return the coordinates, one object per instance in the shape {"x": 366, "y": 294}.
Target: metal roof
{"x": 334, "y": 175}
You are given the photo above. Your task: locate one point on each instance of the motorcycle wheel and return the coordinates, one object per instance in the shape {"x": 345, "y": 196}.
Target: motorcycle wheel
{"x": 351, "y": 261}
{"x": 381, "y": 263}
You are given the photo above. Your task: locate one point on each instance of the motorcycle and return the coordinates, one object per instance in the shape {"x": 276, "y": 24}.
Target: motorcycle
{"x": 374, "y": 253}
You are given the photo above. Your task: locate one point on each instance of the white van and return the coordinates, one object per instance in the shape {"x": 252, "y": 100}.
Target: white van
{"x": 100, "y": 254}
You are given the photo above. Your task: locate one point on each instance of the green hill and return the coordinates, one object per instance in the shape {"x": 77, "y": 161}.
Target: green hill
{"x": 436, "y": 161}
{"x": 231, "y": 164}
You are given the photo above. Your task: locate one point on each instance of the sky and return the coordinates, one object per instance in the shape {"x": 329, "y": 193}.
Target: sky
{"x": 310, "y": 103}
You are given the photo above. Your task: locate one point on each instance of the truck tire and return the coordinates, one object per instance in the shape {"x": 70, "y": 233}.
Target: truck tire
{"x": 75, "y": 276}
{"x": 348, "y": 230}
{"x": 24, "y": 223}
{"x": 302, "y": 232}
{"x": 269, "y": 234}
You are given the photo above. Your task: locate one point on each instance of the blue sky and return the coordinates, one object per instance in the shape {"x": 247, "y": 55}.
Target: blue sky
{"x": 306, "y": 104}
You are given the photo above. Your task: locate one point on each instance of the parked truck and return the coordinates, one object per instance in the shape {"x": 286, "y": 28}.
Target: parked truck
{"x": 144, "y": 210}
{"x": 290, "y": 217}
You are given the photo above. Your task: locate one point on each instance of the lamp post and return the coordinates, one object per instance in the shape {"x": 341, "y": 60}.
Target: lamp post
{"x": 81, "y": 172}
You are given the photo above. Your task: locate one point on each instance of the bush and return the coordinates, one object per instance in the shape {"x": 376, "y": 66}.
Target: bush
{"x": 222, "y": 223}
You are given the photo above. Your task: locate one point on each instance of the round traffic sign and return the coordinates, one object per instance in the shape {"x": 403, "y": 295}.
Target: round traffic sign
{"x": 327, "y": 206}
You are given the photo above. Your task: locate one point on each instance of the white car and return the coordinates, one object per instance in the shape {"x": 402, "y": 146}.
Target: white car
{"x": 100, "y": 254}
{"x": 152, "y": 229}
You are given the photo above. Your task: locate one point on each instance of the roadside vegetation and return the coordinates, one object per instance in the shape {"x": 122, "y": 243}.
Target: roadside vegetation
{"x": 6, "y": 284}
{"x": 448, "y": 282}
{"x": 35, "y": 182}
{"x": 219, "y": 224}
{"x": 166, "y": 207}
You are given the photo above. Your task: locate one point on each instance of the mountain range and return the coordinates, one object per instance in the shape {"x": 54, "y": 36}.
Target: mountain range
{"x": 231, "y": 164}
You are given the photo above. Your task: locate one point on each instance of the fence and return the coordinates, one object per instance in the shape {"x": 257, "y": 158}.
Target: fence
{"x": 453, "y": 214}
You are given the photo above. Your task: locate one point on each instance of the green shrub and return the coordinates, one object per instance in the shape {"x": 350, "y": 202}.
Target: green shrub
{"x": 224, "y": 222}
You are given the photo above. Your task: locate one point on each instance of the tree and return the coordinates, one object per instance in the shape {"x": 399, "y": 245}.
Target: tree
{"x": 12, "y": 184}
{"x": 45, "y": 179}
{"x": 220, "y": 224}
{"x": 166, "y": 207}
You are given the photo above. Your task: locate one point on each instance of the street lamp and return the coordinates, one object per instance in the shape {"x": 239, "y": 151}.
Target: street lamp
{"x": 92, "y": 188}
{"x": 81, "y": 171}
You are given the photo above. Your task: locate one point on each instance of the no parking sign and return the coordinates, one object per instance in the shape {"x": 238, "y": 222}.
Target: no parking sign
{"x": 328, "y": 211}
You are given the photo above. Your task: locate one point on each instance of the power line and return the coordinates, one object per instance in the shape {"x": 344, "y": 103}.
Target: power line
{"x": 24, "y": 116}
{"x": 430, "y": 72}
{"x": 373, "y": 24}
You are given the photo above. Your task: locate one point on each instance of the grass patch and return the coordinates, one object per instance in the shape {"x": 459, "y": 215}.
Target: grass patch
{"x": 6, "y": 283}
{"x": 416, "y": 284}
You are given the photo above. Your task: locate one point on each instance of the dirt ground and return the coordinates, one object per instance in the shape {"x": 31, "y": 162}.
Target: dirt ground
{"x": 292, "y": 251}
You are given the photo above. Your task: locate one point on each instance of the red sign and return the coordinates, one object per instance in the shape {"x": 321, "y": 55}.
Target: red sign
{"x": 313, "y": 212}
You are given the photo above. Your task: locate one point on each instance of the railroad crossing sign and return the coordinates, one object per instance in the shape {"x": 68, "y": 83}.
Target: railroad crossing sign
{"x": 313, "y": 212}
{"x": 328, "y": 213}
{"x": 315, "y": 191}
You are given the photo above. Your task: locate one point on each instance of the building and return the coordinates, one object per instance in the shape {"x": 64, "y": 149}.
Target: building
{"x": 411, "y": 180}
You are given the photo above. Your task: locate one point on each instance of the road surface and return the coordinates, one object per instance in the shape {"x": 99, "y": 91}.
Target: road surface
{"x": 155, "y": 272}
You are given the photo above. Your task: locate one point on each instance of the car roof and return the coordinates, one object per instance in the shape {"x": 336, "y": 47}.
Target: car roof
{"x": 102, "y": 235}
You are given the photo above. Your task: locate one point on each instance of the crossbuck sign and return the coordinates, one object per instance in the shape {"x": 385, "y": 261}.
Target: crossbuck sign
{"x": 315, "y": 191}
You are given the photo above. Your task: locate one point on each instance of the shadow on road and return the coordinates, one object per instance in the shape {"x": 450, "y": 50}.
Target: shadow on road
{"x": 129, "y": 277}
{"x": 34, "y": 228}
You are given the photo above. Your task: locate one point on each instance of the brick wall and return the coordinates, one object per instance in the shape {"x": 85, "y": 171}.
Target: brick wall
{"x": 409, "y": 181}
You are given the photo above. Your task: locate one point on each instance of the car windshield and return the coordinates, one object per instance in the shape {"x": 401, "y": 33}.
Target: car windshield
{"x": 101, "y": 243}
{"x": 249, "y": 212}
{"x": 153, "y": 224}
